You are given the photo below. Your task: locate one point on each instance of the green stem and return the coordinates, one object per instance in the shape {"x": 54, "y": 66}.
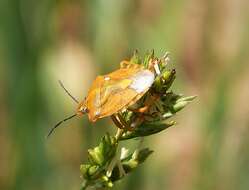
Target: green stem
{"x": 119, "y": 134}
{"x": 84, "y": 186}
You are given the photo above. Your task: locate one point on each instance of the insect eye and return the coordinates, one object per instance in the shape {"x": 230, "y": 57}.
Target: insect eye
{"x": 84, "y": 110}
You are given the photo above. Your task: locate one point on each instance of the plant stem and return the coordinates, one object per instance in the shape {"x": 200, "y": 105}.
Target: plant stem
{"x": 119, "y": 133}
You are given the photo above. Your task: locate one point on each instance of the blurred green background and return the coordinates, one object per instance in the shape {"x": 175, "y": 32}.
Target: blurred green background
{"x": 43, "y": 41}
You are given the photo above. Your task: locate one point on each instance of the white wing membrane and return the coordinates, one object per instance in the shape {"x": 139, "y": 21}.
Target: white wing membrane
{"x": 142, "y": 81}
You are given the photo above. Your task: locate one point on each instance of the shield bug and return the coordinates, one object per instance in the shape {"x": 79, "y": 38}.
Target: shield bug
{"x": 114, "y": 92}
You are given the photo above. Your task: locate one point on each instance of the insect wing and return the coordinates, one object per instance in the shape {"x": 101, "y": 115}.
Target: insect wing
{"x": 111, "y": 93}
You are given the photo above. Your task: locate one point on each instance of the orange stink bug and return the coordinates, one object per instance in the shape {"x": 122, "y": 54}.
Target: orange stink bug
{"x": 114, "y": 92}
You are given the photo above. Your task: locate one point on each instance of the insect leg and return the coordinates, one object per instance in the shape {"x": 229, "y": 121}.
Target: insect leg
{"x": 124, "y": 64}
{"x": 120, "y": 122}
{"x": 140, "y": 110}
{"x": 123, "y": 122}
{"x": 117, "y": 122}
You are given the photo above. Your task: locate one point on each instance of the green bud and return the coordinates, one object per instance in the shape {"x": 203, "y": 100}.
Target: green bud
{"x": 147, "y": 58}
{"x": 157, "y": 85}
{"x": 182, "y": 102}
{"x": 109, "y": 184}
{"x": 166, "y": 75}
{"x": 168, "y": 79}
{"x": 106, "y": 150}
{"x": 105, "y": 144}
{"x": 92, "y": 170}
{"x": 84, "y": 168}
{"x": 179, "y": 106}
{"x": 135, "y": 58}
{"x": 188, "y": 99}
{"x": 131, "y": 164}
{"x": 96, "y": 156}
{"x": 105, "y": 178}
{"x": 164, "y": 81}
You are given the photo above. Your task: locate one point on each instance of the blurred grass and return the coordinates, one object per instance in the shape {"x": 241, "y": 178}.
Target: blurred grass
{"x": 42, "y": 42}
{"x": 24, "y": 102}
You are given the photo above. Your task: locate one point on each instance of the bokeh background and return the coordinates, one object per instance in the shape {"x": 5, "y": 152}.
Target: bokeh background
{"x": 74, "y": 41}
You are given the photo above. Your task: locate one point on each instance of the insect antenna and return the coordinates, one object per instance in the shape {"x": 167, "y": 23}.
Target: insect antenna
{"x": 68, "y": 93}
{"x": 58, "y": 124}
